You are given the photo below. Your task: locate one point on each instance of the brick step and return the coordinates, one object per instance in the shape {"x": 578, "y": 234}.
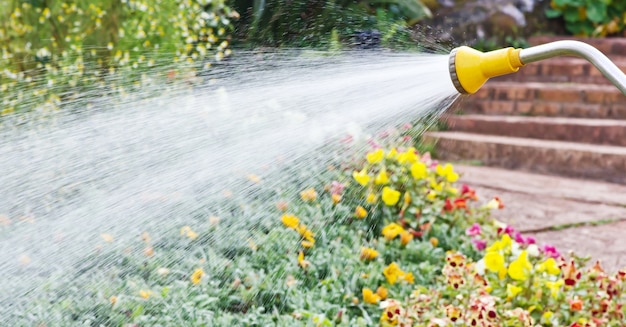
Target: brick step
{"x": 573, "y": 93}
{"x": 591, "y": 131}
{"x": 614, "y": 47}
{"x": 601, "y": 162}
{"x": 561, "y": 70}
{"x": 545, "y": 99}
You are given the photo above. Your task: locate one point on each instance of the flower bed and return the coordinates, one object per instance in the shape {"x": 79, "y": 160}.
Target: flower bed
{"x": 387, "y": 239}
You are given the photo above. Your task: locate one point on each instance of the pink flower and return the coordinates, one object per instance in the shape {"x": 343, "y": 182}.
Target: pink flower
{"x": 373, "y": 144}
{"x": 406, "y": 138}
{"x": 507, "y": 230}
{"x": 550, "y": 251}
{"x": 474, "y": 230}
{"x": 407, "y": 126}
{"x": 530, "y": 240}
{"x": 336, "y": 187}
{"x": 519, "y": 238}
{"x": 479, "y": 244}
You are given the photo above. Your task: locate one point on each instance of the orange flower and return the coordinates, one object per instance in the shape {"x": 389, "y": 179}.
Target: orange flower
{"x": 148, "y": 251}
{"x": 434, "y": 241}
{"x": 368, "y": 254}
{"x": 308, "y": 194}
{"x": 360, "y": 212}
{"x": 575, "y": 305}
{"x": 405, "y": 237}
{"x": 382, "y": 292}
{"x": 336, "y": 198}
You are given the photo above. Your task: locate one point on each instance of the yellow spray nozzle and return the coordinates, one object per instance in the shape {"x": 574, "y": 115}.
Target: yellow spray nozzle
{"x": 470, "y": 68}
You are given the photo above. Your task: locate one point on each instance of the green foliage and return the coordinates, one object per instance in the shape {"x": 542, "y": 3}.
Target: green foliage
{"x": 310, "y": 23}
{"x": 54, "y": 51}
{"x": 590, "y": 17}
{"x": 347, "y": 251}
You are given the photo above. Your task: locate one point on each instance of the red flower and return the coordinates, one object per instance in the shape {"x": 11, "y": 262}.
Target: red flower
{"x": 468, "y": 193}
{"x": 448, "y": 206}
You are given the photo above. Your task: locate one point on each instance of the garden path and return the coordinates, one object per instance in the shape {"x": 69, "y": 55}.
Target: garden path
{"x": 587, "y": 217}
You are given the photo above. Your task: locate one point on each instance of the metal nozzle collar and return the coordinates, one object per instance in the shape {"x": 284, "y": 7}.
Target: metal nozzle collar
{"x": 453, "y": 75}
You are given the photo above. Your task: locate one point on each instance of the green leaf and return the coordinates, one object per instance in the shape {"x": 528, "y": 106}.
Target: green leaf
{"x": 413, "y": 10}
{"x": 571, "y": 14}
{"x": 597, "y": 12}
{"x": 553, "y": 13}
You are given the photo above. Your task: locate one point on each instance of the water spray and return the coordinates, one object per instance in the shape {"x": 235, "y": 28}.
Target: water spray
{"x": 470, "y": 68}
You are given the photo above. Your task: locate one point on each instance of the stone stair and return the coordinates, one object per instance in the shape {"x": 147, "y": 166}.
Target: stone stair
{"x": 560, "y": 117}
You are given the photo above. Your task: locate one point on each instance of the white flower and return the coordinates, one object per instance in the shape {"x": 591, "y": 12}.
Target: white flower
{"x": 480, "y": 267}
{"x": 533, "y": 250}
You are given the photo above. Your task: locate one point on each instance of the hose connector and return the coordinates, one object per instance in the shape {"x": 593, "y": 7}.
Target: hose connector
{"x": 470, "y": 68}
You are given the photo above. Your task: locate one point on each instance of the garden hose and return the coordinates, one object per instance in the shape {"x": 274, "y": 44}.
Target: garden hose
{"x": 470, "y": 68}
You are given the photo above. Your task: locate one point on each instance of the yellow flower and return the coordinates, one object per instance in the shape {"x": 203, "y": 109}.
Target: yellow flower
{"x": 419, "y": 170}
{"x": 520, "y": 268}
{"x": 290, "y": 221}
{"x": 376, "y": 156}
{"x": 550, "y": 266}
{"x": 187, "y": 231}
{"x": 107, "y": 237}
{"x": 392, "y": 230}
{"x": 303, "y": 263}
{"x": 336, "y": 198}
{"x": 113, "y": 299}
{"x": 504, "y": 244}
{"x": 360, "y": 212}
{"x": 432, "y": 195}
{"x": 308, "y": 194}
{"x": 254, "y": 178}
{"x": 371, "y": 198}
{"x": 368, "y": 254}
{"x": 370, "y": 297}
{"x": 392, "y": 273}
{"x": 512, "y": 290}
{"x": 145, "y": 294}
{"x": 306, "y": 233}
{"x": 408, "y": 156}
{"x": 308, "y": 244}
{"x": 390, "y": 196}
{"x": 405, "y": 237}
{"x": 393, "y": 153}
{"x": 494, "y": 261}
{"x": 409, "y": 278}
{"x": 196, "y": 277}
{"x": 447, "y": 172}
{"x": 434, "y": 241}
{"x": 438, "y": 187}
{"x": 381, "y": 178}
{"x": 555, "y": 287}
{"x": 382, "y": 292}
{"x": 361, "y": 177}
{"x": 547, "y": 315}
